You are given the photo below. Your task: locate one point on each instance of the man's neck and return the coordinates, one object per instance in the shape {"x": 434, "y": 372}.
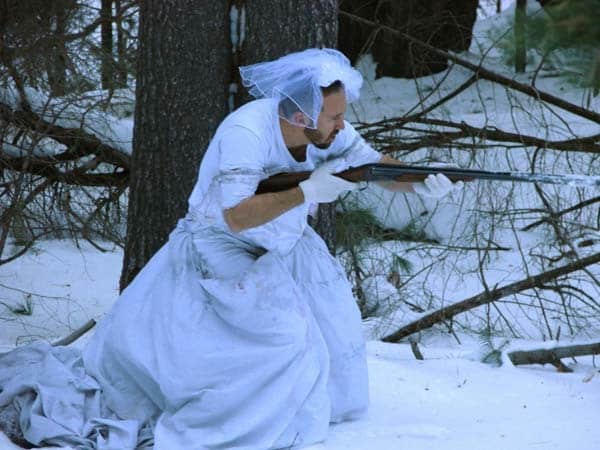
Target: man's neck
{"x": 293, "y": 136}
{"x": 298, "y": 153}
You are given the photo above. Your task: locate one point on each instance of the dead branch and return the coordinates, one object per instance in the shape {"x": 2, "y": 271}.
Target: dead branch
{"x": 588, "y": 144}
{"x": 414, "y": 346}
{"x": 75, "y": 334}
{"x": 78, "y": 142}
{"x": 558, "y": 214}
{"x": 551, "y": 356}
{"x": 489, "y": 296}
{"x": 75, "y": 177}
{"x": 486, "y": 74}
{"x": 463, "y": 87}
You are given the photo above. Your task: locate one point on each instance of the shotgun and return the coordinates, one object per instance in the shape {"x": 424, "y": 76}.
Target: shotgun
{"x": 412, "y": 174}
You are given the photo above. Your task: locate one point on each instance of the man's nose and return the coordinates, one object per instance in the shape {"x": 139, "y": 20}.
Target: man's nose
{"x": 340, "y": 124}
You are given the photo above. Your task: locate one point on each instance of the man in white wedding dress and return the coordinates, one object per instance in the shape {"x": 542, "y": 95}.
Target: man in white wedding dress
{"x": 242, "y": 331}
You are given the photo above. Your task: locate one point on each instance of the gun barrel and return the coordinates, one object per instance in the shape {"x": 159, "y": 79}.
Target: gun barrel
{"x": 413, "y": 174}
{"x": 418, "y": 173}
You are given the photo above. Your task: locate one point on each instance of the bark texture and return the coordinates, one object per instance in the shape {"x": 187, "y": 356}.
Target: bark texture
{"x": 274, "y": 28}
{"x": 181, "y": 96}
{"x": 106, "y": 35}
{"x": 519, "y": 31}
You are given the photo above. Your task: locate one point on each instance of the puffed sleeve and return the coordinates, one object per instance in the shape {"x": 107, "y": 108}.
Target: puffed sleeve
{"x": 241, "y": 165}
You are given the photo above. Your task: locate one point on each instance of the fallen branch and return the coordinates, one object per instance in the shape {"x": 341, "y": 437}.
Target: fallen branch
{"x": 488, "y": 297}
{"x": 75, "y": 334}
{"x": 552, "y": 355}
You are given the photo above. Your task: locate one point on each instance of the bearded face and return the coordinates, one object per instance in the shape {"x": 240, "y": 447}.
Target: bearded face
{"x": 330, "y": 121}
{"x": 319, "y": 139}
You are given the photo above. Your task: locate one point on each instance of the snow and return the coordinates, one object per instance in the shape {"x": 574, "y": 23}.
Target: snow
{"x": 450, "y": 400}
{"x": 65, "y": 287}
{"x": 453, "y": 404}
{"x": 237, "y": 20}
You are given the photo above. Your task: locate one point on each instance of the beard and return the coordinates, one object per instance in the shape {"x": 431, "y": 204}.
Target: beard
{"x": 318, "y": 139}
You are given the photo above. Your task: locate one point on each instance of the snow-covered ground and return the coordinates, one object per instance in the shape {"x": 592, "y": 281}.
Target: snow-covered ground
{"x": 451, "y": 403}
{"x": 62, "y": 285}
{"x": 448, "y": 401}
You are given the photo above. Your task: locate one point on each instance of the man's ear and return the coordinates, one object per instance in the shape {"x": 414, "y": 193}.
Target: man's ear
{"x": 300, "y": 119}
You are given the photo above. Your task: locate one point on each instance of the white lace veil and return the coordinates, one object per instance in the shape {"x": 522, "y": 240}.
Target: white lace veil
{"x": 298, "y": 78}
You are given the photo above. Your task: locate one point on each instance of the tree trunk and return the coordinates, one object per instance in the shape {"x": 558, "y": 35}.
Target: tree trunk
{"x": 274, "y": 28}
{"x": 520, "y": 44}
{"x": 181, "y": 96}
{"x": 57, "y": 67}
{"x": 595, "y": 73}
{"x": 445, "y": 24}
{"x": 121, "y": 75}
{"x": 106, "y": 46}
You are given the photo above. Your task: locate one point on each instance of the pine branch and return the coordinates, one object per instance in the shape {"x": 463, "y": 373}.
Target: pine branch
{"x": 78, "y": 142}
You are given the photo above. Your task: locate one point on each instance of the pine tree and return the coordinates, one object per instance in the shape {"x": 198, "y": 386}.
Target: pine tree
{"x": 181, "y": 96}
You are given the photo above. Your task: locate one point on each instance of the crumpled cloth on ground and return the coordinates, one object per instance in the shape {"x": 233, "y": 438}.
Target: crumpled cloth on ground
{"x": 56, "y": 403}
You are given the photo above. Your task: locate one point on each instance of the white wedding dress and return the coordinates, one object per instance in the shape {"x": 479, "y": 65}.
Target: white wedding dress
{"x": 223, "y": 341}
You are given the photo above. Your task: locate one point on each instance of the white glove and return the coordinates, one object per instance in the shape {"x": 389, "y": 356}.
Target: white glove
{"x": 335, "y": 165}
{"x": 436, "y": 186}
{"x": 322, "y": 187}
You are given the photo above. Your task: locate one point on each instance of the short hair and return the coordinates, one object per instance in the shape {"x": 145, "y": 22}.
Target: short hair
{"x": 334, "y": 87}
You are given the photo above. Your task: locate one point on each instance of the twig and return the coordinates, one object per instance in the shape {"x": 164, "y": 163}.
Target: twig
{"x": 557, "y": 214}
{"x": 416, "y": 351}
{"x": 75, "y": 334}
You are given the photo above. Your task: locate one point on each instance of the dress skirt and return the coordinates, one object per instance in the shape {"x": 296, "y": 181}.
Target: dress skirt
{"x": 216, "y": 344}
